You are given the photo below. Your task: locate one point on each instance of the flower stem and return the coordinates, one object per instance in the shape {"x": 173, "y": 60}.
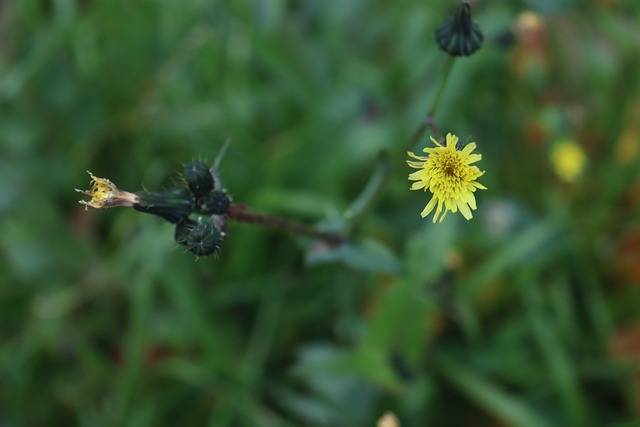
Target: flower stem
{"x": 371, "y": 191}
{"x": 383, "y": 172}
{"x": 448, "y": 66}
{"x": 241, "y": 214}
{"x": 428, "y": 122}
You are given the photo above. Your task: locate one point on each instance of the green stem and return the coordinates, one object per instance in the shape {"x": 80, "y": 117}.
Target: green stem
{"x": 427, "y": 122}
{"x": 383, "y": 172}
{"x": 367, "y": 197}
{"x": 371, "y": 191}
{"x": 448, "y": 66}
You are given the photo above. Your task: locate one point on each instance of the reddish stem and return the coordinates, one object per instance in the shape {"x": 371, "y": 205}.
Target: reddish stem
{"x": 241, "y": 214}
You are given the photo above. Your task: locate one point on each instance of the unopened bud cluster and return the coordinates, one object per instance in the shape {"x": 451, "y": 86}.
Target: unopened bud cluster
{"x": 202, "y": 236}
{"x": 183, "y": 206}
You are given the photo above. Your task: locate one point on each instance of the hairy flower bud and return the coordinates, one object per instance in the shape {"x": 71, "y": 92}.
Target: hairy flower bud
{"x": 460, "y": 36}
{"x": 203, "y": 239}
{"x": 174, "y": 205}
{"x": 183, "y": 228}
{"x": 198, "y": 178}
{"x": 215, "y": 203}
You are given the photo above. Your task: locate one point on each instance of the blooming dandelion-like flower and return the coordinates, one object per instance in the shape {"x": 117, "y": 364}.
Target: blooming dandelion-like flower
{"x": 448, "y": 173}
{"x": 568, "y": 160}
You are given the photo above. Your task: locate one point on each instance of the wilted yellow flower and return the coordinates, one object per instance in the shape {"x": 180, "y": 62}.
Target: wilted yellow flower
{"x": 448, "y": 173}
{"x": 173, "y": 205}
{"x": 105, "y": 194}
{"x": 568, "y": 160}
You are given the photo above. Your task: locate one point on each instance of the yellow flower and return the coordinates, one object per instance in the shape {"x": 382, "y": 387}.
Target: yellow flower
{"x": 448, "y": 173}
{"x": 388, "y": 420}
{"x": 568, "y": 160}
{"x": 105, "y": 194}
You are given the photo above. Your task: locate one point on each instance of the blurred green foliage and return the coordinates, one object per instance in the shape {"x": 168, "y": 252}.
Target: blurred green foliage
{"x": 528, "y": 315}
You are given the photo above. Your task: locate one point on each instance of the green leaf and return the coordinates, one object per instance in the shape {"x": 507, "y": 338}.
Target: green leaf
{"x": 366, "y": 255}
{"x": 427, "y": 248}
{"x": 489, "y": 396}
{"x": 521, "y": 249}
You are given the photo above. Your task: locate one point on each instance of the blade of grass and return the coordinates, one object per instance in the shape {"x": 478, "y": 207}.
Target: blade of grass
{"x": 519, "y": 251}
{"x": 129, "y": 380}
{"x": 489, "y": 396}
{"x": 554, "y": 352}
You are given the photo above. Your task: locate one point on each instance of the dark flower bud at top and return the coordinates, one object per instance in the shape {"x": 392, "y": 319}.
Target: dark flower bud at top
{"x": 203, "y": 239}
{"x": 215, "y": 203}
{"x": 459, "y": 36}
{"x": 173, "y": 205}
{"x": 198, "y": 178}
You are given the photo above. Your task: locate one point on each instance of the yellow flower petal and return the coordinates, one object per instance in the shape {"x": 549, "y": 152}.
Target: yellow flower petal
{"x": 449, "y": 175}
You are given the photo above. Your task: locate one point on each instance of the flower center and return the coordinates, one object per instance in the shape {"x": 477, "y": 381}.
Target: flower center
{"x": 450, "y": 165}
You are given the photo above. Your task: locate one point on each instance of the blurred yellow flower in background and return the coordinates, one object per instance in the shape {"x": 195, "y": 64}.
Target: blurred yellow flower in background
{"x": 568, "y": 160}
{"x": 448, "y": 173}
{"x": 388, "y": 420}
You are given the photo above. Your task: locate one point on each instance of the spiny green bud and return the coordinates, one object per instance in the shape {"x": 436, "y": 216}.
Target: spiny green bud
{"x": 183, "y": 228}
{"x": 198, "y": 178}
{"x": 460, "y": 36}
{"x": 173, "y": 205}
{"x": 203, "y": 239}
{"x": 215, "y": 203}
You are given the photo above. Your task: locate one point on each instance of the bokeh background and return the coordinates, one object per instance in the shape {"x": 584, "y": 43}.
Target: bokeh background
{"x": 528, "y": 315}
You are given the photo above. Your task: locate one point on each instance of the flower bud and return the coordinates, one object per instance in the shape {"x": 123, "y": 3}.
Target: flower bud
{"x": 198, "y": 178}
{"x": 215, "y": 203}
{"x": 459, "y": 36}
{"x": 203, "y": 239}
{"x": 183, "y": 228}
{"x": 173, "y": 205}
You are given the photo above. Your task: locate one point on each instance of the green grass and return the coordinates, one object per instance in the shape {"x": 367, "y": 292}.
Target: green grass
{"x": 524, "y": 316}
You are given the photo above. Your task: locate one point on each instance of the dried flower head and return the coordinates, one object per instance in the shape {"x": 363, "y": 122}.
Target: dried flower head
{"x": 105, "y": 194}
{"x": 173, "y": 205}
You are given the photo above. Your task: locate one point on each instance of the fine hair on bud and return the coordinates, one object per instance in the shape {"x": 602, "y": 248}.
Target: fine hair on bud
{"x": 203, "y": 239}
{"x": 459, "y": 35}
{"x": 174, "y": 205}
{"x": 215, "y": 203}
{"x": 183, "y": 228}
{"x": 198, "y": 177}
